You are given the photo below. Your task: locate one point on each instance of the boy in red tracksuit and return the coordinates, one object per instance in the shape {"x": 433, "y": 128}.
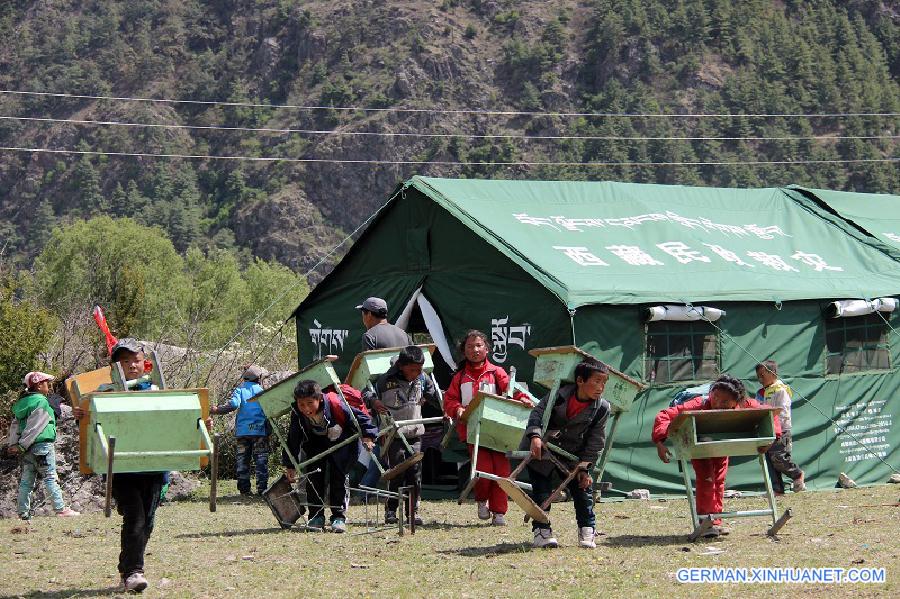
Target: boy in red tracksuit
{"x": 726, "y": 393}
{"x": 476, "y": 373}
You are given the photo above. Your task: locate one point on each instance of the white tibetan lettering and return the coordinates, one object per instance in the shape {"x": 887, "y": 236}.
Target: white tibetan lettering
{"x": 503, "y": 335}
{"x": 634, "y": 255}
{"x": 684, "y": 221}
{"x": 580, "y": 255}
{"x": 327, "y": 341}
{"x": 537, "y": 221}
{"x": 766, "y": 232}
{"x": 576, "y": 224}
{"x": 682, "y": 252}
{"x": 772, "y": 261}
{"x": 815, "y": 261}
{"x": 632, "y": 221}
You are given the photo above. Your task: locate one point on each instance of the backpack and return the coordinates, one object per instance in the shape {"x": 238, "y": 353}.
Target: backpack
{"x": 337, "y": 409}
{"x": 686, "y": 395}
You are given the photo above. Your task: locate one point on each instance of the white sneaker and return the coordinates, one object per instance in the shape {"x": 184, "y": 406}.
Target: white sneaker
{"x": 799, "y": 484}
{"x": 483, "y": 512}
{"x": 846, "y": 482}
{"x": 498, "y": 520}
{"x": 135, "y": 582}
{"x": 586, "y": 537}
{"x": 543, "y": 537}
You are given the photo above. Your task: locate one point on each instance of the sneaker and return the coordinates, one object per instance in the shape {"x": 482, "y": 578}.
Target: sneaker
{"x": 338, "y": 525}
{"x": 68, "y": 513}
{"x": 390, "y": 517}
{"x": 713, "y": 532}
{"x": 316, "y": 522}
{"x": 25, "y": 517}
{"x": 135, "y": 582}
{"x": 586, "y": 537}
{"x": 417, "y": 520}
{"x": 498, "y": 520}
{"x": 483, "y": 512}
{"x": 846, "y": 482}
{"x": 543, "y": 537}
{"x": 799, "y": 484}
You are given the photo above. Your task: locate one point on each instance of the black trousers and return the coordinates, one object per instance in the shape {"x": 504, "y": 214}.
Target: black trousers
{"x": 396, "y": 454}
{"x": 137, "y": 497}
{"x": 779, "y": 461}
{"x": 336, "y": 478}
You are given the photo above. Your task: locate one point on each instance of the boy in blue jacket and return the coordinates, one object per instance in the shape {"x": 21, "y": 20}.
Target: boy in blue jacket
{"x": 318, "y": 422}
{"x": 251, "y": 431}
{"x": 31, "y": 435}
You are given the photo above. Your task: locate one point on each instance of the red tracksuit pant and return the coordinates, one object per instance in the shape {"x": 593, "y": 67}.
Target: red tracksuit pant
{"x": 710, "y": 485}
{"x": 492, "y": 462}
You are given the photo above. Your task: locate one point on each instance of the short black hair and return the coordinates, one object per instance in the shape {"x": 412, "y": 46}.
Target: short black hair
{"x": 769, "y": 365}
{"x": 308, "y": 388}
{"x": 730, "y": 385}
{"x": 375, "y": 313}
{"x": 411, "y": 354}
{"x": 588, "y": 367}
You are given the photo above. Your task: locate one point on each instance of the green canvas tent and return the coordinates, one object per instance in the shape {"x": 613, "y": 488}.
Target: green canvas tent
{"x": 874, "y": 215}
{"x": 543, "y": 263}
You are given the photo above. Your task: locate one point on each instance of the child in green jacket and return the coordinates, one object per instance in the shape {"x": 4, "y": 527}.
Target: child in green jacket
{"x": 31, "y": 435}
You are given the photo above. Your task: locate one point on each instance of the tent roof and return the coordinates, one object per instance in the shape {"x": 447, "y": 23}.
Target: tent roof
{"x": 625, "y": 243}
{"x": 878, "y": 214}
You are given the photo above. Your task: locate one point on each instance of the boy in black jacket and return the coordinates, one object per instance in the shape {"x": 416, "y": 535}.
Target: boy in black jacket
{"x": 318, "y": 422}
{"x": 578, "y": 426}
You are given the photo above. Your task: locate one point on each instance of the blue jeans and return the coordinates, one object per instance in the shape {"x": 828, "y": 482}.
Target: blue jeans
{"x": 257, "y": 450}
{"x": 541, "y": 488}
{"x": 372, "y": 475}
{"x": 39, "y": 459}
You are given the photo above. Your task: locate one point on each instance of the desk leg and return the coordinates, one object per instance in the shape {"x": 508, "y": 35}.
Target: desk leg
{"x": 770, "y": 493}
{"x": 473, "y": 471}
{"x": 690, "y": 492}
{"x": 107, "y": 509}
{"x": 214, "y": 472}
{"x": 598, "y": 471}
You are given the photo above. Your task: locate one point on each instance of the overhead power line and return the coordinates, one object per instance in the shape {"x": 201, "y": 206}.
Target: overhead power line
{"x": 829, "y": 115}
{"x": 278, "y": 130}
{"x": 442, "y": 162}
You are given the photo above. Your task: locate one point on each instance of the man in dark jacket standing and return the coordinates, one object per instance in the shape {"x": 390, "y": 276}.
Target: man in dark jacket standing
{"x": 578, "y": 426}
{"x": 380, "y": 333}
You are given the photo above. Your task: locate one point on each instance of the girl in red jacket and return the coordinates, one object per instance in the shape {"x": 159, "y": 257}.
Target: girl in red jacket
{"x": 475, "y": 374}
{"x": 726, "y": 393}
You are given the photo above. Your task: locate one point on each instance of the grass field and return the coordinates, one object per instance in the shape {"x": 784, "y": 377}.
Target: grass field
{"x": 240, "y": 552}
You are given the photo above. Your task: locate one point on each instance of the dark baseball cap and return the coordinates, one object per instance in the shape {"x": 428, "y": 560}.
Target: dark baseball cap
{"x": 125, "y": 344}
{"x": 376, "y": 305}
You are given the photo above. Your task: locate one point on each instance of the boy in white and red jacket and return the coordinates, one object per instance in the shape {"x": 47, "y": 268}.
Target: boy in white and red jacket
{"x": 777, "y": 394}
{"x": 726, "y": 393}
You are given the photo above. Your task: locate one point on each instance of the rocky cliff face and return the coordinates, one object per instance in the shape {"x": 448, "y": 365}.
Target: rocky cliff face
{"x": 430, "y": 59}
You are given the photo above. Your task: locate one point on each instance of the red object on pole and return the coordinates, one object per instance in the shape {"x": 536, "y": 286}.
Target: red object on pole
{"x": 100, "y": 319}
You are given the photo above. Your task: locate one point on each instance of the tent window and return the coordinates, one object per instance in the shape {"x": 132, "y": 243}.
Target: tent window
{"x": 857, "y": 344}
{"x": 681, "y": 351}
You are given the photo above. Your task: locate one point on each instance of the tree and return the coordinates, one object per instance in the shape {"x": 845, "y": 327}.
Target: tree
{"x": 131, "y": 270}
{"x": 26, "y": 332}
